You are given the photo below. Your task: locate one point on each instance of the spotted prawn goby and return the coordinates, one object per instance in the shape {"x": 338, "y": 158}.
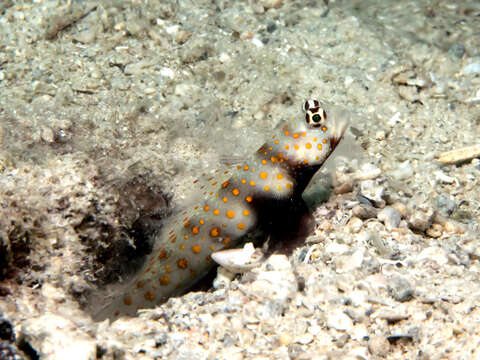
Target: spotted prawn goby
{"x": 258, "y": 192}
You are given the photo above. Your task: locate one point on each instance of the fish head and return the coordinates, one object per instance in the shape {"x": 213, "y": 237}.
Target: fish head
{"x": 308, "y": 141}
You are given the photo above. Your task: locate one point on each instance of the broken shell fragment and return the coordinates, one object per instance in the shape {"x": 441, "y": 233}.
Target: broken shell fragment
{"x": 460, "y": 155}
{"x": 239, "y": 260}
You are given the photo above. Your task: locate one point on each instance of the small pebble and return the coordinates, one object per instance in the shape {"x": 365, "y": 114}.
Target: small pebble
{"x": 358, "y": 298}
{"x": 348, "y": 263}
{"x": 409, "y": 93}
{"x": 271, "y": 27}
{"x": 355, "y": 224}
{"x": 394, "y": 119}
{"x": 278, "y": 263}
{"x": 47, "y": 135}
{"x": 342, "y": 340}
{"x": 269, "y": 4}
{"x": 421, "y": 220}
{"x": 285, "y": 339}
{"x": 419, "y": 316}
{"x": 360, "y": 332}
{"x": 393, "y": 316}
{"x": 433, "y": 253}
{"x": 315, "y": 330}
{"x": 338, "y": 320}
{"x": 451, "y": 226}
{"x": 400, "y": 289}
{"x": 435, "y": 231}
{"x": 223, "y": 279}
{"x": 364, "y": 211}
{"x": 473, "y": 68}
{"x": 445, "y": 204}
{"x": 343, "y": 188}
{"x": 456, "y": 51}
{"x": 357, "y": 353}
{"x": 403, "y": 172}
{"x": 304, "y": 339}
{"x": 374, "y": 192}
{"x": 443, "y": 178}
{"x": 167, "y": 72}
{"x": 182, "y": 36}
{"x": 336, "y": 248}
{"x": 379, "y": 346}
{"x": 390, "y": 217}
{"x": 86, "y": 36}
{"x": 401, "y": 208}
{"x": 367, "y": 172}
{"x": 380, "y": 135}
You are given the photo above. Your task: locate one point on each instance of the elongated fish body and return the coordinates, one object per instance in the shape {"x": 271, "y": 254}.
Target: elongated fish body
{"x": 275, "y": 175}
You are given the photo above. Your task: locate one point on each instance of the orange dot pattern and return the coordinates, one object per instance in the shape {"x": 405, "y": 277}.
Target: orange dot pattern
{"x": 232, "y": 200}
{"x": 164, "y": 280}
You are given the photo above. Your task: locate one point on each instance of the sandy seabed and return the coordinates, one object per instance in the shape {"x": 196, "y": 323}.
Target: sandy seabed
{"x": 109, "y": 110}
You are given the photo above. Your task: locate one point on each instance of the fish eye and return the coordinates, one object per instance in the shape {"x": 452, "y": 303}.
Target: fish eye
{"x": 315, "y": 117}
{"x": 315, "y": 114}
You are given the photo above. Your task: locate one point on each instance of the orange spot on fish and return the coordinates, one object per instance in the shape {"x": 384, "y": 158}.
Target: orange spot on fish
{"x": 182, "y": 263}
{"x": 215, "y": 232}
{"x": 127, "y": 300}
{"x": 149, "y": 296}
{"x": 164, "y": 280}
{"x": 162, "y": 254}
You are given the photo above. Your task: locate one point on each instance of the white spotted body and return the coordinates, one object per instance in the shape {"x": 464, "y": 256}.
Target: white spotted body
{"x": 278, "y": 171}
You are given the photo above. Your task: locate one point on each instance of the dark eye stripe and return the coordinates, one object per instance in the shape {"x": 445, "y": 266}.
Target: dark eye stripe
{"x": 311, "y": 105}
